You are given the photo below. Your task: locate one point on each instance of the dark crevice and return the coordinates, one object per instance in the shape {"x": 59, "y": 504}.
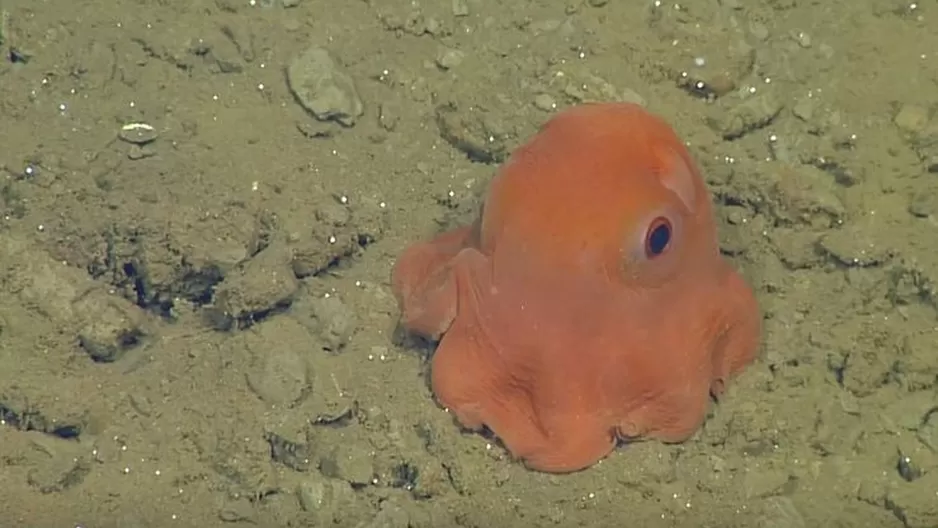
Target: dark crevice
{"x": 33, "y": 420}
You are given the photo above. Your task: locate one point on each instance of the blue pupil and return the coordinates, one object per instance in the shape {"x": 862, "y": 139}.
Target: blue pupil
{"x": 658, "y": 239}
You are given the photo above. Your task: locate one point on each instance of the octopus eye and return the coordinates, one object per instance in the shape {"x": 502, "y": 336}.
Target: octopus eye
{"x": 658, "y": 237}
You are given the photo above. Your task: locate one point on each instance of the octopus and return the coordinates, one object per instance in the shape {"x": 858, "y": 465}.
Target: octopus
{"x": 588, "y": 305}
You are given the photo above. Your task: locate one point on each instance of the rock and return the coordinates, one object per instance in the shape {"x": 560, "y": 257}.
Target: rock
{"x": 804, "y": 195}
{"x": 294, "y": 455}
{"x": 326, "y": 500}
{"x": 750, "y": 114}
{"x": 329, "y": 318}
{"x": 796, "y": 248}
{"x": 721, "y": 74}
{"x": 911, "y": 118}
{"x": 853, "y": 246}
{"x": 323, "y": 88}
{"x": 279, "y": 375}
{"x": 349, "y": 462}
{"x": 157, "y": 271}
{"x": 237, "y": 510}
{"x": 448, "y": 58}
{"x": 114, "y": 326}
{"x": 545, "y": 102}
{"x": 106, "y": 325}
{"x": 460, "y": 8}
{"x": 61, "y": 465}
{"x": 764, "y": 483}
{"x": 339, "y": 232}
{"x": 262, "y": 284}
{"x": 924, "y": 204}
{"x": 476, "y": 132}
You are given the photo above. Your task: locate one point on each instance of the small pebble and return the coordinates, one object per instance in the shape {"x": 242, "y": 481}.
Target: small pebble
{"x": 545, "y": 102}
{"x": 449, "y": 58}
{"x": 460, "y": 8}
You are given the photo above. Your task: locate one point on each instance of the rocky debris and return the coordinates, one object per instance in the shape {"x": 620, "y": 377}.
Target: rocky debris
{"x": 488, "y": 129}
{"x": 257, "y": 287}
{"x": 323, "y": 88}
{"x": 338, "y": 230}
{"x": 914, "y": 362}
{"x": 327, "y": 317}
{"x": 367, "y": 452}
{"x": 105, "y": 325}
{"x": 911, "y": 282}
{"x": 17, "y": 411}
{"x": 351, "y": 462}
{"x": 116, "y": 328}
{"x": 344, "y": 458}
{"x": 796, "y": 248}
{"x": 155, "y": 271}
{"x": 221, "y": 52}
{"x": 924, "y": 204}
{"x": 746, "y": 114}
{"x": 448, "y": 58}
{"x": 239, "y": 277}
{"x": 853, "y": 246}
{"x": 57, "y": 465}
{"x": 480, "y": 134}
{"x": 920, "y": 129}
{"x": 788, "y": 194}
{"x": 720, "y": 74}
{"x": 417, "y": 458}
{"x": 297, "y": 456}
{"x": 327, "y": 501}
{"x": 279, "y": 372}
{"x": 416, "y": 23}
